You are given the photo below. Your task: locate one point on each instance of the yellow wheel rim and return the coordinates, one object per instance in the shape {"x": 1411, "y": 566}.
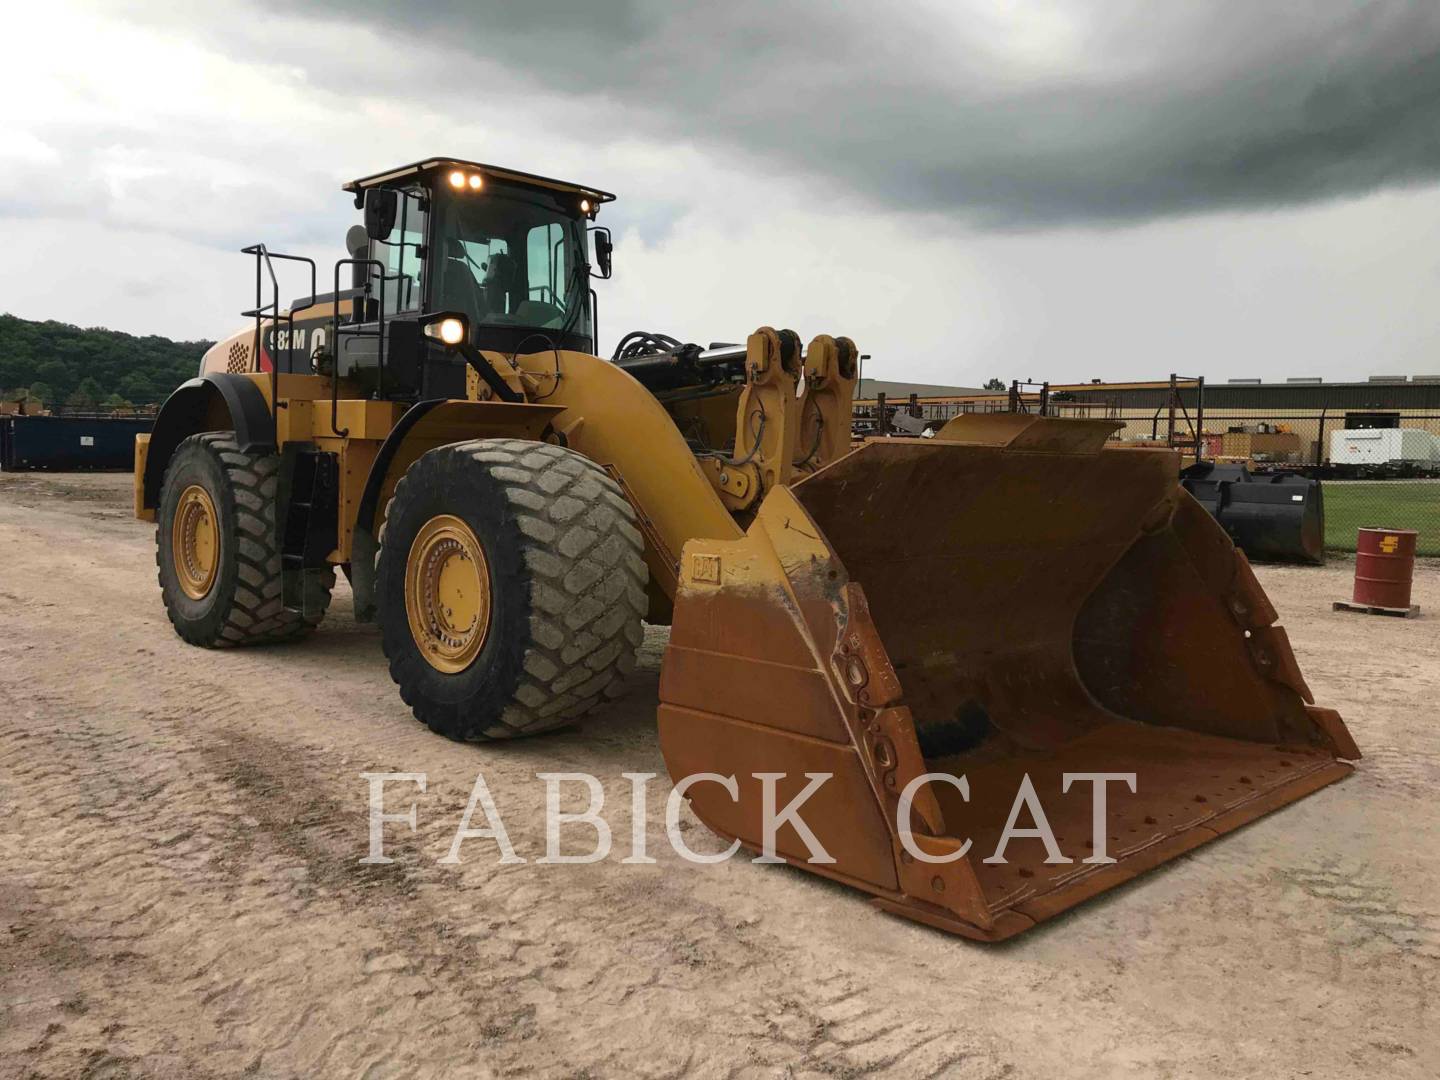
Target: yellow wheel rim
{"x": 447, "y": 593}
{"x": 195, "y": 542}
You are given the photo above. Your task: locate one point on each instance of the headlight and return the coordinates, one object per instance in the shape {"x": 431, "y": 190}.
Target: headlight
{"x": 457, "y": 179}
{"x": 448, "y": 329}
{"x": 452, "y": 331}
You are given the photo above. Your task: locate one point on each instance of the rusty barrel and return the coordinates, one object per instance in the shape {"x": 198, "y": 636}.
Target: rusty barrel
{"x": 1384, "y": 567}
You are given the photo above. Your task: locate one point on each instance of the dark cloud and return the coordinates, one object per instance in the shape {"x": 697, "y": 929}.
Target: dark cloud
{"x": 1063, "y": 114}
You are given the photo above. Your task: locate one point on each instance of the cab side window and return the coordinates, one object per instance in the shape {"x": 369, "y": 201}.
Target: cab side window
{"x": 546, "y": 275}
{"x": 545, "y": 263}
{"x": 400, "y": 254}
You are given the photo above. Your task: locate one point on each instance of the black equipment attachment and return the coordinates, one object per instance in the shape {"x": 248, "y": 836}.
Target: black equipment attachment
{"x": 661, "y": 362}
{"x": 1280, "y": 517}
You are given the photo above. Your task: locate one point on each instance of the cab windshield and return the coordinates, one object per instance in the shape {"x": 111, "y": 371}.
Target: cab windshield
{"x": 512, "y": 257}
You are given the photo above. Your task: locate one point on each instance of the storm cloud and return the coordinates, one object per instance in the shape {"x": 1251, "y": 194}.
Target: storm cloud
{"x": 968, "y": 188}
{"x": 1014, "y": 116}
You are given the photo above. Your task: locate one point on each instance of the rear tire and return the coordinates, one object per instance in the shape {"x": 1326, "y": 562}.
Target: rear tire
{"x": 556, "y": 545}
{"x": 230, "y": 595}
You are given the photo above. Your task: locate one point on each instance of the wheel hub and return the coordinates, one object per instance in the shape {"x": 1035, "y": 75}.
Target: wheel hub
{"x": 447, "y": 593}
{"x": 195, "y": 542}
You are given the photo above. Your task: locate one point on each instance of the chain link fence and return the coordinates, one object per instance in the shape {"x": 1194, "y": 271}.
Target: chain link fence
{"x": 1378, "y": 468}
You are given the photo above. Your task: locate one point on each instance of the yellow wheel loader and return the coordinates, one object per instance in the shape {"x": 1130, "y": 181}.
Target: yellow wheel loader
{"x": 929, "y": 627}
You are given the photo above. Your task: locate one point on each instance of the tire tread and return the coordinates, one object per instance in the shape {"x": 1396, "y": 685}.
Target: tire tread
{"x": 257, "y": 614}
{"x": 583, "y": 553}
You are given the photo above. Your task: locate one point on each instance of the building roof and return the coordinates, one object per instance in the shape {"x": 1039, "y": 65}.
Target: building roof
{"x": 1419, "y": 392}
{"x": 866, "y": 389}
{"x": 1268, "y": 395}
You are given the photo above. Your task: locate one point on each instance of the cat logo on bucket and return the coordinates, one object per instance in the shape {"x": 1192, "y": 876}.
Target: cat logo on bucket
{"x": 1388, "y": 544}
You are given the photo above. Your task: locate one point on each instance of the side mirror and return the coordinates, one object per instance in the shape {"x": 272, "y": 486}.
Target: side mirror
{"x": 604, "y": 247}
{"x": 382, "y": 206}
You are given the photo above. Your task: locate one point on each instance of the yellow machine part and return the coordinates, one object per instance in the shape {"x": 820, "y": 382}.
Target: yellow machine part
{"x": 142, "y": 455}
{"x": 613, "y": 420}
{"x": 1011, "y": 600}
{"x": 599, "y": 410}
{"x": 307, "y": 418}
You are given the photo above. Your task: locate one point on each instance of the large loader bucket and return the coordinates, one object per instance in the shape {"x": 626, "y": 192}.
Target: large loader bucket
{"x": 1009, "y": 600}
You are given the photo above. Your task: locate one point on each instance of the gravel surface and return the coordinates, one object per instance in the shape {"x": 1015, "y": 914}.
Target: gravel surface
{"x": 181, "y": 892}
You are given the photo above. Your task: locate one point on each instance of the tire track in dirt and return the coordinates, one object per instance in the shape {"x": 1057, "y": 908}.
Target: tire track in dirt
{"x": 176, "y": 822}
{"x": 182, "y": 895}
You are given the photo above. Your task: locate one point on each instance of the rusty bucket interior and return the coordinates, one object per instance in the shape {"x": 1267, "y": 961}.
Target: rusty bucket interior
{"x": 1021, "y": 602}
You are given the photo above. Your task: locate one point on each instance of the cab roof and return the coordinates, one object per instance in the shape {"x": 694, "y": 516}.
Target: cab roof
{"x": 498, "y": 172}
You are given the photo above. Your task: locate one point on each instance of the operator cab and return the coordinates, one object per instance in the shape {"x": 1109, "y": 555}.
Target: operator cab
{"x": 508, "y": 250}
{"x": 498, "y": 258}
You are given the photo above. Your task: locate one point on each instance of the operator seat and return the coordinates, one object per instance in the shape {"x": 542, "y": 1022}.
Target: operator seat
{"x": 459, "y": 291}
{"x": 499, "y": 282}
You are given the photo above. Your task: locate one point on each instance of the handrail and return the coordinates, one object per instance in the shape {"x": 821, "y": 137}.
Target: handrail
{"x": 264, "y": 257}
{"x": 378, "y": 333}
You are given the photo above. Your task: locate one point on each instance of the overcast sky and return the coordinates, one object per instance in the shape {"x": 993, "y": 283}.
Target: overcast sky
{"x": 1061, "y": 190}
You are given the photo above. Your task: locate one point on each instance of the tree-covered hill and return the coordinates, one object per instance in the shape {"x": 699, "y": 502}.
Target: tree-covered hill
{"x": 64, "y": 364}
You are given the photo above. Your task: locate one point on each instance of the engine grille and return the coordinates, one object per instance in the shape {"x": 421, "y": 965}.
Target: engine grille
{"x": 238, "y": 361}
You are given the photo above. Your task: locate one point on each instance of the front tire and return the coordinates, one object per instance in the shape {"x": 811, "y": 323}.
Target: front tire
{"x": 217, "y": 548}
{"x": 511, "y": 584}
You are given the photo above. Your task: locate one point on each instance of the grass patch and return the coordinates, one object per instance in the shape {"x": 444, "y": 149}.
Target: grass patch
{"x": 1396, "y": 504}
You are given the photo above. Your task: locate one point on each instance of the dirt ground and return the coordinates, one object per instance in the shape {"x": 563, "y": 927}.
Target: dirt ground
{"x": 181, "y": 893}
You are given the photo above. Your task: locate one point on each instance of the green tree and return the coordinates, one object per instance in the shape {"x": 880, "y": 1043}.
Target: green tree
{"x": 137, "y": 387}
{"x": 58, "y": 374}
{"x": 994, "y": 384}
{"x": 16, "y": 369}
{"x": 41, "y": 392}
{"x": 140, "y": 369}
{"x": 86, "y": 395}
